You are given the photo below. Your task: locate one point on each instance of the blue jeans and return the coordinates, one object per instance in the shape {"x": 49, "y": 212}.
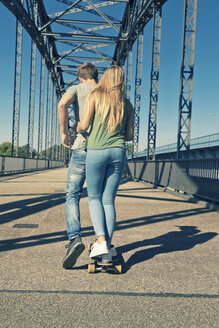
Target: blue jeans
{"x": 75, "y": 182}
{"x": 104, "y": 170}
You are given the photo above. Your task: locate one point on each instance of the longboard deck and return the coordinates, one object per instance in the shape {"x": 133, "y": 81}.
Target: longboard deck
{"x": 96, "y": 265}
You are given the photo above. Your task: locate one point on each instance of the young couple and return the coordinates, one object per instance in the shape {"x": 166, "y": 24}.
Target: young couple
{"x": 100, "y": 154}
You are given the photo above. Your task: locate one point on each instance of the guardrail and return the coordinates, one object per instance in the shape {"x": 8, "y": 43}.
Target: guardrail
{"x": 211, "y": 140}
{"x": 10, "y": 165}
{"x": 197, "y": 177}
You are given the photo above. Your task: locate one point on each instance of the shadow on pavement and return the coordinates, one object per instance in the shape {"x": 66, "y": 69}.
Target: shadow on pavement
{"x": 21, "y": 208}
{"x": 25, "y": 207}
{"x": 81, "y": 267}
{"x": 36, "y": 240}
{"x": 49, "y": 238}
{"x": 137, "y": 222}
{"x": 136, "y": 189}
{"x": 153, "y": 198}
{"x": 42, "y": 239}
{"x": 174, "y": 241}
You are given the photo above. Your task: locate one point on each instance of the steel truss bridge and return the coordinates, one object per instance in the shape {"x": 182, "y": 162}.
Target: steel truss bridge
{"x": 67, "y": 33}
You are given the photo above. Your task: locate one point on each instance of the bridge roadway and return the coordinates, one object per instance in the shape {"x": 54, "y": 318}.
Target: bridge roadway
{"x": 169, "y": 246}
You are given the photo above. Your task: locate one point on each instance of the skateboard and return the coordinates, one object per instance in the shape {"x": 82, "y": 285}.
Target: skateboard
{"x": 96, "y": 265}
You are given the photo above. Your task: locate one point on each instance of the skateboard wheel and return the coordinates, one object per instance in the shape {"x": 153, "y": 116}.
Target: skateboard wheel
{"x": 91, "y": 268}
{"x": 118, "y": 269}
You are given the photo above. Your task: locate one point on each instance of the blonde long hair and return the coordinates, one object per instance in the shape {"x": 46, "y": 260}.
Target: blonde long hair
{"x": 109, "y": 97}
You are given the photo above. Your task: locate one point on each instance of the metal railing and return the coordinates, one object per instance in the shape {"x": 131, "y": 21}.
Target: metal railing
{"x": 197, "y": 177}
{"x": 10, "y": 165}
{"x": 210, "y": 140}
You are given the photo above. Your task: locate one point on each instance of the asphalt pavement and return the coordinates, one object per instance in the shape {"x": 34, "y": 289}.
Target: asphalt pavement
{"x": 168, "y": 247}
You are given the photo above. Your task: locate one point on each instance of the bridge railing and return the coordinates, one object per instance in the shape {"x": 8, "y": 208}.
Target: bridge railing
{"x": 9, "y": 165}
{"x": 211, "y": 140}
{"x": 197, "y": 177}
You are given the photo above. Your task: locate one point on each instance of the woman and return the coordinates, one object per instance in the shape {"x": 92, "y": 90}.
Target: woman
{"x": 111, "y": 117}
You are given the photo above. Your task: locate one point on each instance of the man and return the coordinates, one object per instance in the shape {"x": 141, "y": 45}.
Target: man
{"x": 77, "y": 94}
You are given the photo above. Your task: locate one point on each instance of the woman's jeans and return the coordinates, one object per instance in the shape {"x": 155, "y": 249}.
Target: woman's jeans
{"x": 104, "y": 170}
{"x": 75, "y": 181}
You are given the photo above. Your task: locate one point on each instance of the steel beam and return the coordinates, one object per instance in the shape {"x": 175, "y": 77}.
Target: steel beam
{"x": 60, "y": 15}
{"x": 155, "y": 66}
{"x": 137, "y": 97}
{"x": 16, "y": 7}
{"x": 87, "y": 58}
{"x": 186, "y": 76}
{"x": 89, "y": 31}
{"x": 95, "y": 7}
{"x": 56, "y": 133}
{"x": 134, "y": 25}
{"x": 127, "y": 21}
{"x": 129, "y": 75}
{"x": 103, "y": 43}
{"x": 53, "y": 122}
{"x": 48, "y": 114}
{"x": 137, "y": 14}
{"x": 89, "y": 9}
{"x": 58, "y": 143}
{"x": 32, "y": 89}
{"x": 77, "y": 21}
{"x": 128, "y": 87}
{"x": 102, "y": 38}
{"x": 82, "y": 47}
{"x": 17, "y": 89}
{"x": 41, "y": 107}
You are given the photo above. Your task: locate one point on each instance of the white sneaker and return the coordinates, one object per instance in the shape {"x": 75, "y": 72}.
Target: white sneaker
{"x": 106, "y": 258}
{"x": 98, "y": 249}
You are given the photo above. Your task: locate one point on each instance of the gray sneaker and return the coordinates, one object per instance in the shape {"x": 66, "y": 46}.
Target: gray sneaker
{"x": 75, "y": 249}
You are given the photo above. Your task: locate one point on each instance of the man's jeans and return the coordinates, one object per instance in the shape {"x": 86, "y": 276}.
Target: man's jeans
{"x": 75, "y": 182}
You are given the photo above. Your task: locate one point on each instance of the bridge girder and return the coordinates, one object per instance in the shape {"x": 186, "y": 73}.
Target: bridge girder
{"x": 133, "y": 24}
{"x": 44, "y": 48}
{"x": 116, "y": 34}
{"x": 125, "y": 30}
{"x": 186, "y": 76}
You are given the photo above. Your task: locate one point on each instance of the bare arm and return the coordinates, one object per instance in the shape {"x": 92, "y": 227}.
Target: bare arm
{"x": 84, "y": 124}
{"x": 64, "y": 103}
{"x": 129, "y": 129}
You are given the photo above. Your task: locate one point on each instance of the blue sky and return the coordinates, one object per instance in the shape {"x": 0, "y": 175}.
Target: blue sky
{"x": 205, "y": 85}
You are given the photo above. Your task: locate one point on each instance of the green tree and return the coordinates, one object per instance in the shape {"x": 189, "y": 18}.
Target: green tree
{"x": 34, "y": 153}
{"x": 5, "y": 148}
{"x": 51, "y": 152}
{"x": 23, "y": 151}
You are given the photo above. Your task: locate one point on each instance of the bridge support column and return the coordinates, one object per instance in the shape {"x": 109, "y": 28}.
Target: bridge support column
{"x": 17, "y": 89}
{"x": 155, "y": 66}
{"x": 32, "y": 90}
{"x": 48, "y": 114}
{"x": 128, "y": 75}
{"x": 186, "y": 77}
{"x": 137, "y": 97}
{"x": 41, "y": 107}
{"x": 128, "y": 90}
{"x": 52, "y": 144}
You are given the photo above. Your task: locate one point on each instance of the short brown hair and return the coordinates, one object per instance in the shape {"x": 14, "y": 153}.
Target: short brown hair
{"x": 87, "y": 71}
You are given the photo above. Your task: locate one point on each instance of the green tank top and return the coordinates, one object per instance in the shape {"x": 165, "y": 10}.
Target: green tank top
{"x": 99, "y": 138}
